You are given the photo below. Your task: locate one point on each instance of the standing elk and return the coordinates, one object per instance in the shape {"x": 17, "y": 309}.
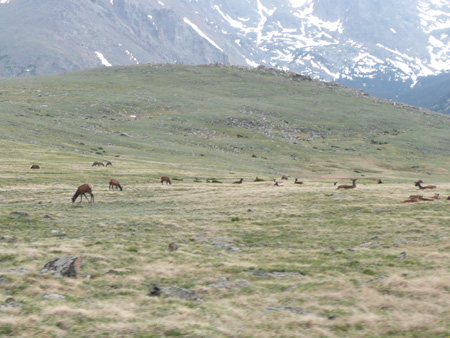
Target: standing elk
{"x": 424, "y": 187}
{"x": 108, "y": 163}
{"x": 165, "y": 179}
{"x": 114, "y": 183}
{"x": 347, "y": 186}
{"x": 82, "y": 191}
{"x": 98, "y": 164}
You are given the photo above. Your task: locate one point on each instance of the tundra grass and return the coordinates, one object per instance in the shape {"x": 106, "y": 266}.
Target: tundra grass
{"x": 317, "y": 262}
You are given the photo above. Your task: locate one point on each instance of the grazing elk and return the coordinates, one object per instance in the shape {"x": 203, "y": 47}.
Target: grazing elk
{"x": 297, "y": 181}
{"x": 165, "y": 179}
{"x": 82, "y": 191}
{"x": 114, "y": 183}
{"x": 425, "y": 187}
{"x": 98, "y": 164}
{"x": 347, "y": 186}
{"x": 108, "y": 163}
{"x": 35, "y": 166}
{"x": 239, "y": 182}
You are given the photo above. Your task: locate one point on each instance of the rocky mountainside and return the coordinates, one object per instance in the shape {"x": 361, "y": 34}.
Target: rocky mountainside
{"x": 385, "y": 48}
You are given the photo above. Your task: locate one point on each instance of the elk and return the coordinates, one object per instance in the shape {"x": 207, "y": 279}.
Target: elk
{"x": 82, "y": 191}
{"x": 284, "y": 177}
{"x": 297, "y": 181}
{"x": 347, "y": 186}
{"x": 239, "y": 182}
{"x": 413, "y": 199}
{"x": 425, "y": 199}
{"x": 425, "y": 187}
{"x": 108, "y": 163}
{"x": 35, "y": 166}
{"x": 379, "y": 181}
{"x": 97, "y": 163}
{"x": 165, "y": 179}
{"x": 448, "y": 198}
{"x": 435, "y": 197}
{"x": 277, "y": 184}
{"x": 114, "y": 183}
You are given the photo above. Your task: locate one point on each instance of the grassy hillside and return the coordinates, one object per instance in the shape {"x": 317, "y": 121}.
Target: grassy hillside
{"x": 296, "y": 260}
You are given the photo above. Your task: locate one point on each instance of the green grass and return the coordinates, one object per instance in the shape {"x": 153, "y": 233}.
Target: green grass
{"x": 199, "y": 124}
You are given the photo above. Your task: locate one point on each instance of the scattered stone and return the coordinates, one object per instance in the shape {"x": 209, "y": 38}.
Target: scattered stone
{"x": 155, "y": 290}
{"x": 10, "y": 303}
{"x": 3, "y": 280}
{"x": 119, "y": 271}
{"x": 233, "y": 249}
{"x": 225, "y": 283}
{"x": 250, "y": 210}
{"x": 276, "y": 274}
{"x": 374, "y": 238}
{"x": 177, "y": 292}
{"x": 66, "y": 266}
{"x": 18, "y": 270}
{"x": 9, "y": 240}
{"x": 401, "y": 256}
{"x": 19, "y": 213}
{"x": 54, "y": 296}
{"x": 401, "y": 241}
{"x": 48, "y": 217}
{"x": 376, "y": 279}
{"x": 173, "y": 246}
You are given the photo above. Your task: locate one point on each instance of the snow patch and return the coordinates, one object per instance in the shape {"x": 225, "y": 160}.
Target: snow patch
{"x": 5, "y": 1}
{"x": 103, "y": 59}
{"x": 203, "y": 35}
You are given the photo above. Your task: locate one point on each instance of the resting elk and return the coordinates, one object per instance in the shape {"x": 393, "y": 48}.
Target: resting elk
{"x": 82, "y": 191}
{"x": 284, "y": 177}
{"x": 297, "y": 181}
{"x": 347, "y": 186}
{"x": 114, "y": 183}
{"x": 239, "y": 182}
{"x": 165, "y": 179}
{"x": 424, "y": 187}
{"x": 35, "y": 166}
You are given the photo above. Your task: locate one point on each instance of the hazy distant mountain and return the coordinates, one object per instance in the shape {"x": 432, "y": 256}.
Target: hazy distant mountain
{"x": 384, "y": 47}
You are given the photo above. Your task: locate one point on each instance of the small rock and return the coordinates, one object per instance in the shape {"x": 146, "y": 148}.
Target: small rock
{"x": 225, "y": 283}
{"x": 54, "y": 296}
{"x": 48, "y": 217}
{"x": 67, "y": 266}
{"x": 173, "y": 246}
{"x": 19, "y": 213}
{"x": 401, "y": 256}
{"x": 155, "y": 290}
{"x": 18, "y": 270}
{"x": 377, "y": 279}
{"x": 401, "y": 241}
{"x": 177, "y": 292}
{"x": 292, "y": 310}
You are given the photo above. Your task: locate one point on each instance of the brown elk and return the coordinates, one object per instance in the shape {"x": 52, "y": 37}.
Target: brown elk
{"x": 239, "y": 182}
{"x": 108, "y": 163}
{"x": 82, "y": 191}
{"x": 347, "y": 186}
{"x": 425, "y": 187}
{"x": 297, "y": 181}
{"x": 97, "y": 163}
{"x": 448, "y": 198}
{"x": 435, "y": 197}
{"x": 165, "y": 179}
{"x": 114, "y": 183}
{"x": 284, "y": 177}
{"x": 379, "y": 181}
{"x": 413, "y": 199}
{"x": 35, "y": 166}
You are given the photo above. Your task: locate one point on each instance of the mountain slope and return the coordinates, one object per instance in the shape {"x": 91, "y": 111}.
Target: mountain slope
{"x": 383, "y": 48}
{"x": 259, "y": 121}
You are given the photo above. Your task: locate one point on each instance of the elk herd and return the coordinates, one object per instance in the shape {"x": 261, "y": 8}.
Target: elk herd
{"x": 86, "y": 188}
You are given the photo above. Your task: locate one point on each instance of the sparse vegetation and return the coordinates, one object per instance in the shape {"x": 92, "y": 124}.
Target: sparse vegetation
{"x": 263, "y": 261}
